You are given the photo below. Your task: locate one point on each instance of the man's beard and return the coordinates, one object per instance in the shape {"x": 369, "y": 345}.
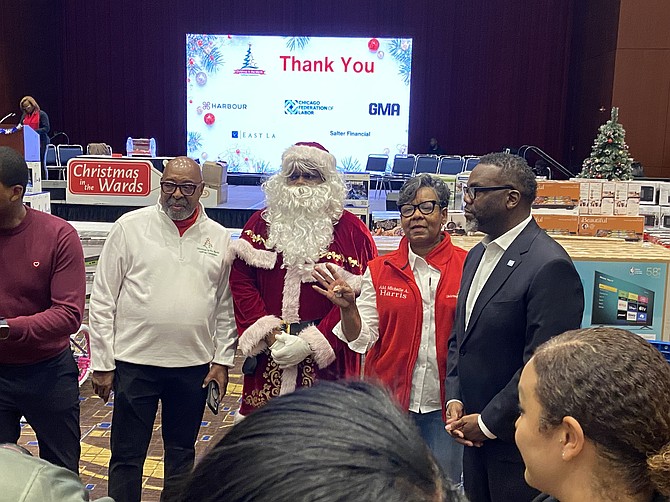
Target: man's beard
{"x": 186, "y": 211}
{"x": 471, "y": 224}
{"x": 300, "y": 221}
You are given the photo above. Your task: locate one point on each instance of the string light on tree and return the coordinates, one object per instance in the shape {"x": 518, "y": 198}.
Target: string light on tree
{"x": 609, "y": 157}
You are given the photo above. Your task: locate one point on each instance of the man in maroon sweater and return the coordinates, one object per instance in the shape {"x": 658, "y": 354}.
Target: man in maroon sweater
{"x": 42, "y": 291}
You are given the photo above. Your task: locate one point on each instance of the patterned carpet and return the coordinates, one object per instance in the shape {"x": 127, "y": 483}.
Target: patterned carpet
{"x": 96, "y": 418}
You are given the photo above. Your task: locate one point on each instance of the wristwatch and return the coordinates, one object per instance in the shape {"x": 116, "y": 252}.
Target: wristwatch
{"x": 4, "y": 329}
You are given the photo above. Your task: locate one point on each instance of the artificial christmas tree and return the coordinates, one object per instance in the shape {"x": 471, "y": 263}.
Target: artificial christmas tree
{"x": 609, "y": 156}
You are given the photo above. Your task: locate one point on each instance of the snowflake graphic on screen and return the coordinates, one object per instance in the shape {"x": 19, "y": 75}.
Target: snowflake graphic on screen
{"x": 401, "y": 50}
{"x": 203, "y": 54}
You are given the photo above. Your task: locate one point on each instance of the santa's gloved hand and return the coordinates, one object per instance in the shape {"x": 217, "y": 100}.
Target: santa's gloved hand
{"x": 289, "y": 350}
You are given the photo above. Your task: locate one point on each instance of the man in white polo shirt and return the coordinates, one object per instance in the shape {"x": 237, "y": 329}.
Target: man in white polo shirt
{"x": 162, "y": 326}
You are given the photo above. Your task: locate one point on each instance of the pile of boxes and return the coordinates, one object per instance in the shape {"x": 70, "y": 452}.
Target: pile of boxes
{"x": 215, "y": 176}
{"x": 594, "y": 208}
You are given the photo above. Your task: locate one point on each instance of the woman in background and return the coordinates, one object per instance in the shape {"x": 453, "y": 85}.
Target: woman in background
{"x": 594, "y": 418}
{"x": 38, "y": 120}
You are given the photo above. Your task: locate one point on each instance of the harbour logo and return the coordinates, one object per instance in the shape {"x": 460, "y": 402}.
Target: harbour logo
{"x": 249, "y": 66}
{"x": 384, "y": 109}
{"x": 304, "y": 107}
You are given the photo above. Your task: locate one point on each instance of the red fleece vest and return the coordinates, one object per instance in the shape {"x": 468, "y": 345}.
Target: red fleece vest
{"x": 391, "y": 360}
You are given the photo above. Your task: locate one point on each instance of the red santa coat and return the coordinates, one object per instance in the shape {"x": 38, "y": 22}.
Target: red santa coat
{"x": 264, "y": 294}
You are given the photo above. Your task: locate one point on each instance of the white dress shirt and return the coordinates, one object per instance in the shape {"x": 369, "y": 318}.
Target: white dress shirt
{"x": 425, "y": 392}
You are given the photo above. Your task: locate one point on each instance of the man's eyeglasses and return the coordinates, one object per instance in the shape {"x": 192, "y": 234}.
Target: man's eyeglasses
{"x": 426, "y": 207}
{"x": 473, "y": 191}
{"x": 296, "y": 175}
{"x": 187, "y": 189}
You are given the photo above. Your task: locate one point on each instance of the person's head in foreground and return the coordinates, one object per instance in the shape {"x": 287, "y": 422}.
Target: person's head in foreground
{"x": 304, "y": 201}
{"x": 595, "y": 417}
{"x": 328, "y": 443}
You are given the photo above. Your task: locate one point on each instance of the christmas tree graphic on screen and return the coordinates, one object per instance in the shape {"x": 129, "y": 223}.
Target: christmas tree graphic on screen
{"x": 249, "y": 66}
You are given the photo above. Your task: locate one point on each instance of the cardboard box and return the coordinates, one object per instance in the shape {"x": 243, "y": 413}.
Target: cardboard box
{"x": 648, "y": 191}
{"x": 362, "y": 212}
{"x": 595, "y": 197}
{"x": 359, "y": 189}
{"x": 620, "y": 197}
{"x": 215, "y": 173}
{"x": 221, "y": 192}
{"x": 664, "y": 218}
{"x": 623, "y": 227}
{"x": 651, "y": 215}
{"x": 664, "y": 193}
{"x": 558, "y": 224}
{"x": 40, "y": 201}
{"x": 385, "y": 223}
{"x": 557, "y": 194}
{"x": 35, "y": 177}
{"x": 584, "y": 197}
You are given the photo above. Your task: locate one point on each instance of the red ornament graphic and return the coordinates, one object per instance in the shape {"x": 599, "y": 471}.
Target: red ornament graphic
{"x": 209, "y": 118}
{"x": 373, "y": 45}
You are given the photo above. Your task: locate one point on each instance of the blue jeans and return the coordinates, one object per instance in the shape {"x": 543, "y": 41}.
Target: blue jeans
{"x": 447, "y": 452}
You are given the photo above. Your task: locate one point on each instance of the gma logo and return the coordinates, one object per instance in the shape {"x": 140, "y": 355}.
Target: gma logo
{"x": 384, "y": 109}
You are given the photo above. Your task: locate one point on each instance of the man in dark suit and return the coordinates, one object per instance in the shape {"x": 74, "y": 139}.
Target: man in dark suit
{"x": 519, "y": 288}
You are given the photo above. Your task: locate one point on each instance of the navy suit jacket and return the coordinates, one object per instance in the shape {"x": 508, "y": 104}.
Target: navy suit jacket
{"x": 533, "y": 294}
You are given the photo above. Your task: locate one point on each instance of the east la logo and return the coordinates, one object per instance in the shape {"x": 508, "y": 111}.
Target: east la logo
{"x": 393, "y": 291}
{"x": 207, "y": 248}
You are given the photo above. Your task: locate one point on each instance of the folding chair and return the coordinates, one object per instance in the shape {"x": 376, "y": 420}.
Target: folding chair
{"x": 470, "y": 162}
{"x": 426, "y": 164}
{"x": 450, "y": 164}
{"x": 376, "y": 168}
{"x": 51, "y": 162}
{"x": 67, "y": 152}
{"x": 402, "y": 168}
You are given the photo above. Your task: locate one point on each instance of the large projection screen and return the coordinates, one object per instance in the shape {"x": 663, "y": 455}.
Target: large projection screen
{"x": 250, "y": 97}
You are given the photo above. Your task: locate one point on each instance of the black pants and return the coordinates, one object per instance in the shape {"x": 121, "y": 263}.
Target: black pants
{"x": 495, "y": 473}
{"x": 137, "y": 390}
{"x": 47, "y": 394}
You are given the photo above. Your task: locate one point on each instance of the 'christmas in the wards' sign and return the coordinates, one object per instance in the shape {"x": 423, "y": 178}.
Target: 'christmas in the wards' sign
{"x": 118, "y": 182}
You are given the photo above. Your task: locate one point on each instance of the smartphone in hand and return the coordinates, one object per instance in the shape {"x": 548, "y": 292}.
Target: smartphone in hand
{"x": 213, "y": 396}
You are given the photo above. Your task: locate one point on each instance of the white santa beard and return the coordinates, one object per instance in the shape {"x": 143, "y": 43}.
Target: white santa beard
{"x": 300, "y": 222}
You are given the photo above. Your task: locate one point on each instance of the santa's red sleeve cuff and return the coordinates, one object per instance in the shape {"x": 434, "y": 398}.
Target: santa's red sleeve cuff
{"x": 322, "y": 352}
{"x": 254, "y": 257}
{"x": 252, "y": 341}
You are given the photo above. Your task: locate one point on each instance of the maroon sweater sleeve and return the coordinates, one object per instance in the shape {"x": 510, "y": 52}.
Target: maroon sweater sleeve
{"x": 46, "y": 333}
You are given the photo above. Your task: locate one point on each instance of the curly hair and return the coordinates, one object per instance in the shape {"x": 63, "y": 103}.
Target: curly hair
{"x": 617, "y": 386}
{"x": 411, "y": 187}
{"x": 516, "y": 171}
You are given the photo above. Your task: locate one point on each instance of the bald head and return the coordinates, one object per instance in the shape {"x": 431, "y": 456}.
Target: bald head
{"x": 181, "y": 188}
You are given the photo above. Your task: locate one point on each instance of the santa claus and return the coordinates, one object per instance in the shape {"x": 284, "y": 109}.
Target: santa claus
{"x": 285, "y": 326}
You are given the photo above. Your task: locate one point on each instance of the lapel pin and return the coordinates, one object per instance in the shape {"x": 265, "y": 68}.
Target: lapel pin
{"x": 510, "y": 263}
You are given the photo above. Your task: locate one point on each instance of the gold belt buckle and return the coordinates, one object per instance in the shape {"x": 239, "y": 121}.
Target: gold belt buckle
{"x": 286, "y": 327}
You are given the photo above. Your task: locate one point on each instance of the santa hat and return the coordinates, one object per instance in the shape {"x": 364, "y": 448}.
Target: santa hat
{"x": 310, "y": 155}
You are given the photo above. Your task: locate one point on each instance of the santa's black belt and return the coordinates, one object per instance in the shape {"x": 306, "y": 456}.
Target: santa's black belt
{"x": 294, "y": 328}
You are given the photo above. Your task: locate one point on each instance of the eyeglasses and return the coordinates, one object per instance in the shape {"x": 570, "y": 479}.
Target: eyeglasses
{"x": 187, "y": 189}
{"x": 472, "y": 191}
{"x": 296, "y": 175}
{"x": 426, "y": 207}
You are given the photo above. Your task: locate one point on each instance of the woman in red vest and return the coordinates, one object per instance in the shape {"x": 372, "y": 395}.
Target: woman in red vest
{"x": 38, "y": 120}
{"x": 404, "y": 314}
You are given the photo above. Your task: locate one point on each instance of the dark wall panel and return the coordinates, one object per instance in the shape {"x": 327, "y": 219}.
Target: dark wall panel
{"x": 486, "y": 73}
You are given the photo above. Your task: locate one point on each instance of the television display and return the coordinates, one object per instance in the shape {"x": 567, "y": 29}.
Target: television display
{"x": 248, "y": 98}
{"x": 620, "y": 303}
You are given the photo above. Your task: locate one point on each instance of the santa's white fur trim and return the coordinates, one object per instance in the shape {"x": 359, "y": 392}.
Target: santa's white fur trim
{"x": 252, "y": 341}
{"x": 259, "y": 258}
{"x": 322, "y": 351}
{"x": 291, "y": 295}
{"x": 288, "y": 377}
